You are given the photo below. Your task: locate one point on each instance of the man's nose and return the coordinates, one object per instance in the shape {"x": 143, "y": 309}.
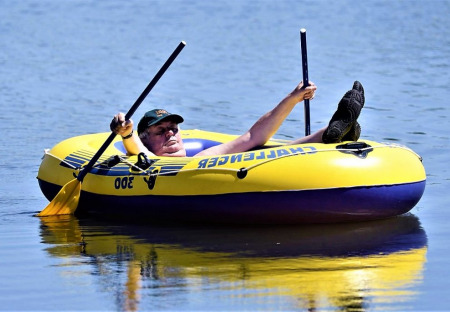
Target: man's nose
{"x": 170, "y": 133}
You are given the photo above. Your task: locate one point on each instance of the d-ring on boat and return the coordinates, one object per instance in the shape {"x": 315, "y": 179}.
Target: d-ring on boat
{"x": 274, "y": 184}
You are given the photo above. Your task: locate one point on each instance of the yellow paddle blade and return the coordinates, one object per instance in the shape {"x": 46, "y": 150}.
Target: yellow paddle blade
{"x": 65, "y": 202}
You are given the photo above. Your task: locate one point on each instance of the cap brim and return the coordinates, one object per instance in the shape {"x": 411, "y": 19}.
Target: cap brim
{"x": 174, "y": 117}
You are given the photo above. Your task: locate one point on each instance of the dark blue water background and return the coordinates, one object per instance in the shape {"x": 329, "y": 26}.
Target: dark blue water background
{"x": 67, "y": 66}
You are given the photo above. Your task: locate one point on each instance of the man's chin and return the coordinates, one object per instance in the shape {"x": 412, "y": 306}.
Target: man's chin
{"x": 172, "y": 151}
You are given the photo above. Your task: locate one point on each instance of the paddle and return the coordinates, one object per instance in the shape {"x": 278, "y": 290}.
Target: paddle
{"x": 66, "y": 201}
{"x": 305, "y": 79}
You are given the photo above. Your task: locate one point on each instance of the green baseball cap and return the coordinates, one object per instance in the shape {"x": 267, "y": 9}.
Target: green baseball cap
{"x": 154, "y": 116}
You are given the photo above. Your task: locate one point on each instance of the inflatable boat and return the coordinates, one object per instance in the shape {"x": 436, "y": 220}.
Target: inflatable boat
{"x": 274, "y": 184}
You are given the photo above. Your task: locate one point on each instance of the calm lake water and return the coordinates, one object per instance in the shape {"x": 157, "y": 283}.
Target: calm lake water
{"x": 67, "y": 66}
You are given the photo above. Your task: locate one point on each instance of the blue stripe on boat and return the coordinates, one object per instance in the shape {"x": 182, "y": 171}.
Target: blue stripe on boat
{"x": 283, "y": 207}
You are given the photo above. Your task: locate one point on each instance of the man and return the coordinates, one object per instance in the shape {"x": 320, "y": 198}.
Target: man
{"x": 158, "y": 132}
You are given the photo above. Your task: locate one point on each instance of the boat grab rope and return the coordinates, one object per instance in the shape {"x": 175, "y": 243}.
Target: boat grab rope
{"x": 241, "y": 172}
{"x": 136, "y": 168}
{"x": 356, "y": 151}
{"x": 47, "y": 152}
{"x": 303, "y": 153}
{"x": 68, "y": 164}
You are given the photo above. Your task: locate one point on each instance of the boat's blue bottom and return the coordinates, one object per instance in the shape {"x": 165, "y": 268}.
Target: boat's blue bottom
{"x": 287, "y": 207}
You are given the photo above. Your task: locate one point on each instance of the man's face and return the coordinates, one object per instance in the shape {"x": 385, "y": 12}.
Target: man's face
{"x": 164, "y": 139}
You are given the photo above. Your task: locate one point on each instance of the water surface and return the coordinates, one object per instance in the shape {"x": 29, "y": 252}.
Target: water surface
{"x": 67, "y": 66}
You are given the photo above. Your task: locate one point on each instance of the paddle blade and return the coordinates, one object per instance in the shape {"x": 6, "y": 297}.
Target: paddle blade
{"x": 65, "y": 202}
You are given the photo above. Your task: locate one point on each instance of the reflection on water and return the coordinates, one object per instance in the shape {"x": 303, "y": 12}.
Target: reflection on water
{"x": 347, "y": 267}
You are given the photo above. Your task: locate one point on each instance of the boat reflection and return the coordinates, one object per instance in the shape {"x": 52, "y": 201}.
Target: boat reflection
{"x": 341, "y": 266}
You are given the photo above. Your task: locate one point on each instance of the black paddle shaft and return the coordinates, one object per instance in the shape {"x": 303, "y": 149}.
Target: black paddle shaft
{"x": 133, "y": 108}
{"x": 305, "y": 79}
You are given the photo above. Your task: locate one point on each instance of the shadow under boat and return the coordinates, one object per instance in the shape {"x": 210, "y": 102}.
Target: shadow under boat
{"x": 343, "y": 266}
{"x": 365, "y": 238}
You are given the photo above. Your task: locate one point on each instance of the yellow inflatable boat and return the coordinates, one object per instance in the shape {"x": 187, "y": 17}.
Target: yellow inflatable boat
{"x": 275, "y": 184}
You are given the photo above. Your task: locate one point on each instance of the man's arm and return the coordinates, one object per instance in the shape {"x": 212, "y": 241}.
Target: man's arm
{"x": 130, "y": 139}
{"x": 266, "y": 126}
